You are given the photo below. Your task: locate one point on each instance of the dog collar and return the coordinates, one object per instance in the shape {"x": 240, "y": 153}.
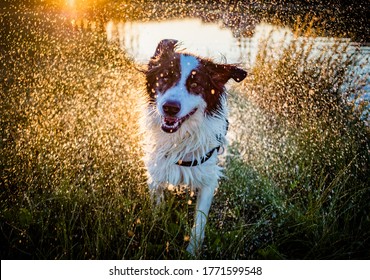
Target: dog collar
{"x": 202, "y": 160}
{"x": 207, "y": 155}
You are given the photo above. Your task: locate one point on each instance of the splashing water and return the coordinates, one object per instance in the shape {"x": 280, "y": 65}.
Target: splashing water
{"x": 71, "y": 97}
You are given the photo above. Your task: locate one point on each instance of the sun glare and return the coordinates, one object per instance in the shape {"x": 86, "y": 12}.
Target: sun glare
{"x": 70, "y": 3}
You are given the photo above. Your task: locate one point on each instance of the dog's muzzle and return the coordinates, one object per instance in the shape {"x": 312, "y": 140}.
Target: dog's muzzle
{"x": 170, "y": 122}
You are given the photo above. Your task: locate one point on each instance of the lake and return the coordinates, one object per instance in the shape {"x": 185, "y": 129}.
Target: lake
{"x": 212, "y": 39}
{"x": 139, "y": 39}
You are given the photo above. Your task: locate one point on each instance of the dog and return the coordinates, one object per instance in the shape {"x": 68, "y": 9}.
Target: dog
{"x": 185, "y": 126}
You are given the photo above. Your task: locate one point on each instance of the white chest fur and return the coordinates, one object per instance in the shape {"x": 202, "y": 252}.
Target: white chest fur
{"x": 198, "y": 135}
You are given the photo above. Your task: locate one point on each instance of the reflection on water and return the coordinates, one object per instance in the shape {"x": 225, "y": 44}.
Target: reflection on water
{"x": 212, "y": 40}
{"x": 139, "y": 40}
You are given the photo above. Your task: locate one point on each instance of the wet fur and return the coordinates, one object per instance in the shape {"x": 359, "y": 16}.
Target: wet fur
{"x": 201, "y": 132}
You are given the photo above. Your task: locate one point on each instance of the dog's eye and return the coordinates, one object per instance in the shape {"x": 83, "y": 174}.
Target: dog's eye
{"x": 196, "y": 88}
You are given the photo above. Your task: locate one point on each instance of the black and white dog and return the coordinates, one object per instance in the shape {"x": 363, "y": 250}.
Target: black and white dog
{"x": 185, "y": 126}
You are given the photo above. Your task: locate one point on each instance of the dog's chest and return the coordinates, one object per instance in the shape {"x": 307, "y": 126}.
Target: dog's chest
{"x": 164, "y": 153}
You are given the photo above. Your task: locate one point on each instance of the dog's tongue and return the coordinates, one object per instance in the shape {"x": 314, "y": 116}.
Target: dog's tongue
{"x": 170, "y": 120}
{"x": 170, "y": 124}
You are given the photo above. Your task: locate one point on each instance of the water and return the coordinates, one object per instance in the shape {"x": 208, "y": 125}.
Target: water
{"x": 139, "y": 39}
{"x": 214, "y": 40}
{"x": 69, "y": 136}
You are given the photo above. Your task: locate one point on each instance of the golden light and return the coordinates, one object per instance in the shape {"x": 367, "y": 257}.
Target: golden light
{"x": 70, "y": 3}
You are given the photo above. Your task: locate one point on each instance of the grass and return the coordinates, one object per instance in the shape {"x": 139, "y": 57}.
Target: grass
{"x": 73, "y": 186}
{"x": 307, "y": 136}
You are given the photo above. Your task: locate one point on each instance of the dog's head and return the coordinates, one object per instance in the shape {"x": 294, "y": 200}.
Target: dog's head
{"x": 181, "y": 84}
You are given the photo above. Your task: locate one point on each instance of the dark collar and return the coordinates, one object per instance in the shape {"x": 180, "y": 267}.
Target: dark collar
{"x": 202, "y": 159}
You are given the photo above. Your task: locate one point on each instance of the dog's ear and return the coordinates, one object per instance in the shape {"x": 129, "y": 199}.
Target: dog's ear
{"x": 166, "y": 45}
{"x": 221, "y": 73}
{"x": 237, "y": 74}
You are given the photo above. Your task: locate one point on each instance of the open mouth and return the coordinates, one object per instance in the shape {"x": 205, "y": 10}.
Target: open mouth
{"x": 172, "y": 124}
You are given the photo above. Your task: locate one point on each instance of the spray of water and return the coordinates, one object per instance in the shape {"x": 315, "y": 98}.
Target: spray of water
{"x": 72, "y": 184}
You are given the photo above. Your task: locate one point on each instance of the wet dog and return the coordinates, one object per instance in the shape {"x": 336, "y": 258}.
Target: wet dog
{"x": 185, "y": 126}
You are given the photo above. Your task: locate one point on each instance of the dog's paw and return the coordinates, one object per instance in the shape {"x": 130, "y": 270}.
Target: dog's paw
{"x": 192, "y": 249}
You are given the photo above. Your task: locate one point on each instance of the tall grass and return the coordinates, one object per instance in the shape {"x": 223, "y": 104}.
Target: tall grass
{"x": 307, "y": 135}
{"x": 73, "y": 186}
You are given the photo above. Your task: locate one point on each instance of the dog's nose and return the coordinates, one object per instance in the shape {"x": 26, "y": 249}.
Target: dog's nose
{"x": 171, "y": 108}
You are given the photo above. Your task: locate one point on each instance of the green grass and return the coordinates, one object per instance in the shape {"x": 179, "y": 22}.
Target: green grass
{"x": 73, "y": 186}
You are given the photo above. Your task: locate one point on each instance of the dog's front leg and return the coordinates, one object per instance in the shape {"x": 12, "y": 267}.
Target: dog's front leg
{"x": 205, "y": 196}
